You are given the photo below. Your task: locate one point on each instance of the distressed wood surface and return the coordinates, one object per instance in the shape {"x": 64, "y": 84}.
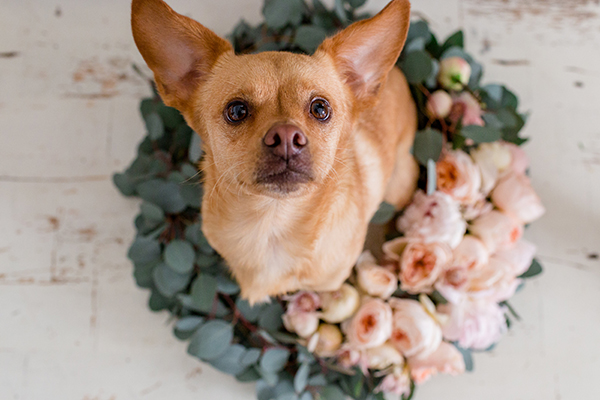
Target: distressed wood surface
{"x": 73, "y": 324}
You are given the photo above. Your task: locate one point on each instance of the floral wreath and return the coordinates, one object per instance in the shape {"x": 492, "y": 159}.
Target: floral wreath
{"x": 440, "y": 286}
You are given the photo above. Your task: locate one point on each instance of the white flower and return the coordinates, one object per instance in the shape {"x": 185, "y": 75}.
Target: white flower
{"x": 515, "y": 196}
{"x": 434, "y": 218}
{"x": 519, "y": 257}
{"x": 493, "y": 160}
{"x": 339, "y": 305}
{"x": 414, "y": 331}
{"x": 496, "y": 230}
{"x": 302, "y": 323}
{"x": 471, "y": 253}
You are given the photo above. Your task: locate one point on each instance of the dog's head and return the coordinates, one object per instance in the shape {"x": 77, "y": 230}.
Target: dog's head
{"x": 271, "y": 123}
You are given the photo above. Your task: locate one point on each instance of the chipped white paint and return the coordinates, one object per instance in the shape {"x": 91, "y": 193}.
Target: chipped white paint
{"x": 73, "y": 324}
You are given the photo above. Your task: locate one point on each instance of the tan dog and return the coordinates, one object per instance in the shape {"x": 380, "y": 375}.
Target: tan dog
{"x": 299, "y": 150}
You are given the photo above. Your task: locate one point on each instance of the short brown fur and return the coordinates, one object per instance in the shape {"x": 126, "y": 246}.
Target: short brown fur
{"x": 279, "y": 241}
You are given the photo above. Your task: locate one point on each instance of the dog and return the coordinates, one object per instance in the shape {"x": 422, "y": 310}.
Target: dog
{"x": 299, "y": 150}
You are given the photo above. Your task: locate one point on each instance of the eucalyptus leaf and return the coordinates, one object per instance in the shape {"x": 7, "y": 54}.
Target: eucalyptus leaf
{"x": 169, "y": 282}
{"x": 155, "y": 126}
{"x": 279, "y": 13}
{"x": 229, "y": 362}
{"x": 534, "y": 270}
{"x": 191, "y": 194}
{"x": 467, "y": 356}
{"x": 301, "y": 378}
{"x": 227, "y": 285}
{"x": 144, "y": 250}
{"x": 417, "y": 66}
{"x": 427, "y": 145}
{"x": 158, "y": 302}
{"x": 270, "y": 318}
{"x": 249, "y": 375}
{"x": 203, "y": 292}
{"x": 306, "y": 396}
{"x": 384, "y": 214}
{"x": 274, "y": 359}
{"x": 211, "y": 341}
{"x": 332, "y": 393}
{"x": 124, "y": 184}
{"x": 164, "y": 194}
{"x": 179, "y": 256}
{"x": 250, "y": 313}
{"x": 186, "y": 326}
{"x": 250, "y": 357}
{"x": 309, "y": 37}
{"x": 152, "y": 212}
{"x": 481, "y": 134}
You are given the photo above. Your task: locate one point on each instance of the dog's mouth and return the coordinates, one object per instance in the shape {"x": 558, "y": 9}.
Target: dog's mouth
{"x": 283, "y": 176}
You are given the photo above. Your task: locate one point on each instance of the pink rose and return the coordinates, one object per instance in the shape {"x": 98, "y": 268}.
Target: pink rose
{"x": 445, "y": 360}
{"x": 384, "y": 356}
{"x": 468, "y": 108}
{"x": 304, "y": 324}
{"x": 471, "y": 253}
{"x": 414, "y": 331}
{"x": 496, "y": 230}
{"x": 493, "y": 160}
{"x": 371, "y": 326}
{"x": 458, "y": 176}
{"x": 347, "y": 357}
{"x": 474, "y": 324}
{"x": 515, "y": 196}
{"x": 455, "y": 72}
{"x": 398, "y": 383}
{"x": 434, "y": 218}
{"x": 303, "y": 301}
{"x": 477, "y": 209}
{"x": 519, "y": 257}
{"x": 375, "y": 280}
{"x": 420, "y": 263}
{"x": 519, "y": 161}
{"x": 439, "y": 104}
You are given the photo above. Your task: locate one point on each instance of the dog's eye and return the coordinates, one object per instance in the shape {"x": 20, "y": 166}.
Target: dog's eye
{"x": 320, "y": 109}
{"x": 236, "y": 111}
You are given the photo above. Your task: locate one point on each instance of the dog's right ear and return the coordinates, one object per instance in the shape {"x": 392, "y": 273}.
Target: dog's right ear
{"x": 179, "y": 50}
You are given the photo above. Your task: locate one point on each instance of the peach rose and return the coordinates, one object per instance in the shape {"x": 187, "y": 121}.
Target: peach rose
{"x": 471, "y": 253}
{"x": 421, "y": 265}
{"x": 397, "y": 383}
{"x": 326, "y": 342}
{"x": 519, "y": 257}
{"x": 384, "y": 356}
{"x": 515, "y": 196}
{"x": 455, "y": 72}
{"x": 496, "y": 230}
{"x": 439, "y": 104}
{"x": 467, "y": 107}
{"x": 414, "y": 331}
{"x": 519, "y": 160}
{"x": 445, "y": 360}
{"x": 477, "y": 209}
{"x": 458, "y": 176}
{"x": 474, "y": 324}
{"x": 302, "y": 301}
{"x": 339, "y": 305}
{"x": 376, "y": 281}
{"x": 304, "y": 324}
{"x": 434, "y": 218}
{"x": 493, "y": 160}
{"x": 371, "y": 326}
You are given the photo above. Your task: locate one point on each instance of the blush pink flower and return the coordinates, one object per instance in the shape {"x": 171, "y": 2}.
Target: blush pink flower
{"x": 414, "y": 331}
{"x": 496, "y": 230}
{"x": 375, "y": 280}
{"x": 382, "y": 357}
{"x": 434, "y": 218}
{"x": 458, "y": 176}
{"x": 470, "y": 254}
{"x": 515, "y": 196}
{"x": 474, "y": 324}
{"x": 454, "y": 73}
{"x": 303, "y": 301}
{"x": 347, "y": 357}
{"x": 518, "y": 258}
{"x": 304, "y": 324}
{"x": 519, "y": 160}
{"x": 371, "y": 326}
{"x": 494, "y": 160}
{"x": 397, "y": 383}
{"x": 439, "y": 104}
{"x": 445, "y": 360}
{"x": 468, "y": 108}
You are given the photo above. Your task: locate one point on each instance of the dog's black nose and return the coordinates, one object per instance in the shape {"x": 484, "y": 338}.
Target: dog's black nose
{"x": 285, "y": 141}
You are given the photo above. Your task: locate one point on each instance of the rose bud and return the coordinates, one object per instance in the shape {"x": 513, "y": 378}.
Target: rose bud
{"x": 455, "y": 72}
{"x": 339, "y": 305}
{"x": 376, "y": 280}
{"x": 515, "y": 196}
{"x": 327, "y": 341}
{"x": 302, "y": 323}
{"x": 439, "y": 104}
{"x": 384, "y": 356}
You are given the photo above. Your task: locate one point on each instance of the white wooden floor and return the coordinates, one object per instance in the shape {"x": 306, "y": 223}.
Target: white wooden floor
{"x": 73, "y": 326}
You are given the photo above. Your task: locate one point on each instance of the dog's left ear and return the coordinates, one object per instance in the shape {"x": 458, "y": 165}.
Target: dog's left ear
{"x": 366, "y": 51}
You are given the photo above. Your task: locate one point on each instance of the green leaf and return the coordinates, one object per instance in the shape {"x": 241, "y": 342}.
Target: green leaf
{"x": 309, "y": 37}
{"x": 431, "y": 177}
{"x": 306, "y": 396}
{"x": 356, "y": 3}
{"x": 169, "y": 282}
{"x": 279, "y": 13}
{"x": 301, "y": 378}
{"x": 155, "y": 126}
{"x": 164, "y": 194}
{"x": 158, "y": 302}
{"x": 456, "y": 39}
{"x": 143, "y": 273}
{"x": 193, "y": 233}
{"x": 340, "y": 11}
{"x": 250, "y": 313}
{"x": 274, "y": 359}
{"x": 124, "y": 184}
{"x": 417, "y": 66}
{"x": 250, "y": 357}
{"x": 211, "y": 340}
{"x": 206, "y": 261}
{"x": 249, "y": 375}
{"x": 270, "y": 318}
{"x": 317, "y": 380}
{"x": 534, "y": 269}
{"x": 179, "y": 256}
{"x": 144, "y": 250}
{"x": 384, "y": 214}
{"x": 468, "y": 357}
{"x": 332, "y": 393}
{"x": 191, "y": 194}
{"x": 227, "y": 285}
{"x": 418, "y": 29}
{"x": 203, "y": 292}
{"x": 481, "y": 134}
{"x": 428, "y": 145}
{"x": 152, "y": 212}
{"x": 229, "y": 362}
{"x": 186, "y": 326}
{"x": 170, "y": 116}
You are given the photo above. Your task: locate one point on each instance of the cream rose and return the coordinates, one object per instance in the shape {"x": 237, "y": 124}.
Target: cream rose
{"x": 434, "y": 218}
{"x": 519, "y": 257}
{"x": 302, "y": 323}
{"x": 326, "y": 342}
{"x": 458, "y": 177}
{"x": 445, "y": 360}
{"x": 474, "y": 324}
{"x": 519, "y": 161}
{"x": 339, "y": 305}
{"x": 515, "y": 196}
{"x": 376, "y": 281}
{"x": 384, "y": 356}
{"x": 371, "y": 326}
{"x": 493, "y": 159}
{"x": 414, "y": 331}
{"x": 496, "y": 230}
{"x": 471, "y": 253}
